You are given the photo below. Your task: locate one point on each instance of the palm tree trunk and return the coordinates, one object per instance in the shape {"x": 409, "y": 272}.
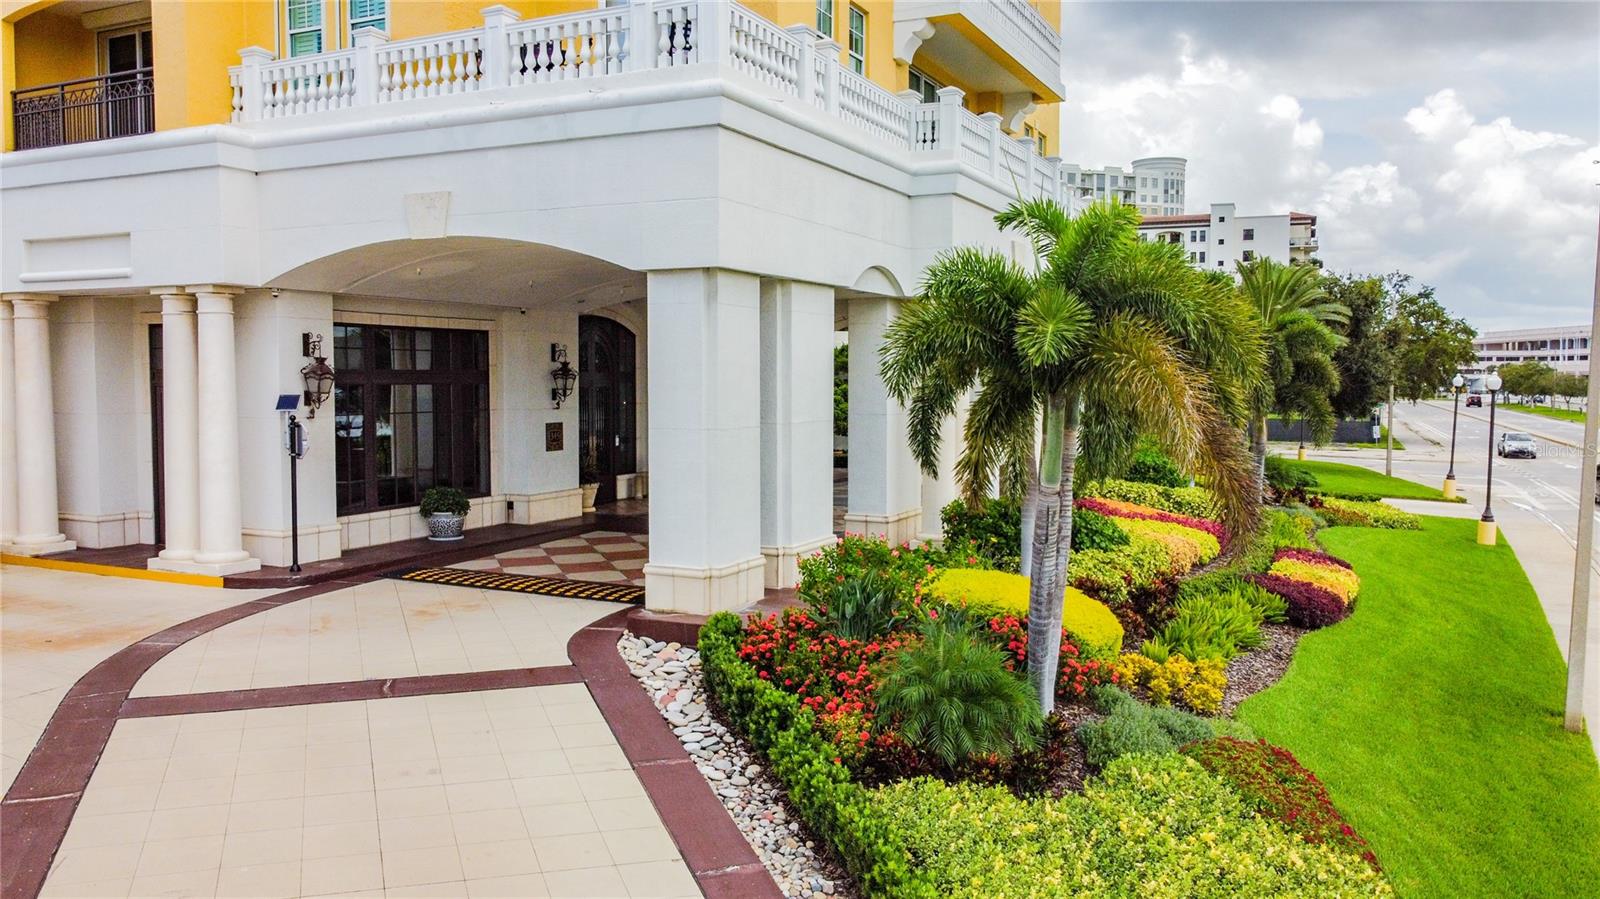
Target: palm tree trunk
{"x": 1045, "y": 594}
{"x": 1258, "y": 441}
{"x": 1030, "y": 512}
{"x": 1069, "y": 465}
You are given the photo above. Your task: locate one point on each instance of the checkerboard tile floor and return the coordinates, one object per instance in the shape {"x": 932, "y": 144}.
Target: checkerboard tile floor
{"x": 609, "y": 557}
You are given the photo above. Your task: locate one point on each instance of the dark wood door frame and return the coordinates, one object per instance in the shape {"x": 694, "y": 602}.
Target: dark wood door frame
{"x": 607, "y": 415}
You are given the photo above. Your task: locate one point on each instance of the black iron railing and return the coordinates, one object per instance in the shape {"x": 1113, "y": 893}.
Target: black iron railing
{"x": 72, "y": 112}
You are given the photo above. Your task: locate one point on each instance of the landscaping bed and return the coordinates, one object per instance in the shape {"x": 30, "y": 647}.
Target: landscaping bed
{"x": 1335, "y": 479}
{"x": 893, "y": 714}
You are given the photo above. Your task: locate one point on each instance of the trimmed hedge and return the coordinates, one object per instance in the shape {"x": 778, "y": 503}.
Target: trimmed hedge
{"x": 835, "y": 807}
{"x": 988, "y": 594}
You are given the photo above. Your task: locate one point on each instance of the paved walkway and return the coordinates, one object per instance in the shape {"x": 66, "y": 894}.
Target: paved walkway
{"x": 374, "y": 738}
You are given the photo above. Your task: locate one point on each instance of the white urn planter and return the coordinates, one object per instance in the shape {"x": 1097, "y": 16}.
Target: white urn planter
{"x": 589, "y": 493}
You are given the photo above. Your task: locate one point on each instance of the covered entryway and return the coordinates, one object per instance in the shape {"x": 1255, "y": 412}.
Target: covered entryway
{"x": 607, "y": 425}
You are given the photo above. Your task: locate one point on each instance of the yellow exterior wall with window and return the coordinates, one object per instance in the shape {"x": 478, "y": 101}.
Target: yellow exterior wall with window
{"x": 195, "y": 41}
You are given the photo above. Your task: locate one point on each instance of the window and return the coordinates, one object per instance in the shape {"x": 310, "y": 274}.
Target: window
{"x": 1192, "y": 237}
{"x": 825, "y": 17}
{"x": 858, "y": 40}
{"x": 1202, "y": 257}
{"x": 1249, "y": 234}
{"x": 411, "y": 411}
{"x": 368, "y": 14}
{"x": 1249, "y": 255}
{"x": 1221, "y": 218}
{"x": 920, "y": 82}
{"x": 305, "y": 27}
{"x": 1191, "y": 257}
{"x": 1219, "y": 263}
{"x": 1221, "y": 241}
{"x": 1036, "y": 136}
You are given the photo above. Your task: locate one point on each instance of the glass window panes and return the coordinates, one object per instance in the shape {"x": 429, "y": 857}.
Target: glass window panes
{"x": 368, "y": 14}
{"x": 922, "y": 84}
{"x": 825, "y": 17}
{"x": 858, "y": 40}
{"x": 411, "y": 411}
{"x": 305, "y": 26}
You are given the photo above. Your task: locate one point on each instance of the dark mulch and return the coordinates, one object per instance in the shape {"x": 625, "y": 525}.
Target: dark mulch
{"x": 1069, "y": 777}
{"x": 1254, "y": 671}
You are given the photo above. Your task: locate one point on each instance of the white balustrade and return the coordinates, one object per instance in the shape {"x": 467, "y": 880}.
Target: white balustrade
{"x": 614, "y": 40}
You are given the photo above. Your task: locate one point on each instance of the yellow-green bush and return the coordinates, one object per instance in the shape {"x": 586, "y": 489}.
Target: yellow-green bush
{"x": 992, "y": 593}
{"x": 1198, "y": 685}
{"x": 1153, "y": 827}
{"x": 1186, "y": 546}
{"x": 1341, "y": 582}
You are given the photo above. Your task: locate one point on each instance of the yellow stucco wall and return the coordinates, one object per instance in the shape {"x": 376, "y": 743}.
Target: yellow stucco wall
{"x": 197, "y": 40}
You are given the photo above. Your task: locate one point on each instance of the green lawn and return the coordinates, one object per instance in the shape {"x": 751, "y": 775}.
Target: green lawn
{"x": 1434, "y": 716}
{"x": 1546, "y": 411}
{"x": 1338, "y": 479}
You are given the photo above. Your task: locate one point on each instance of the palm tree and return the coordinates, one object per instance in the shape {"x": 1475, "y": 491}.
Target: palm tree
{"x": 1109, "y": 338}
{"x": 1300, "y": 377}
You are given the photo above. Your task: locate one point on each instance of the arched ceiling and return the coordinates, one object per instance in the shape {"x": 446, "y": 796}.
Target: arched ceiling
{"x": 482, "y": 270}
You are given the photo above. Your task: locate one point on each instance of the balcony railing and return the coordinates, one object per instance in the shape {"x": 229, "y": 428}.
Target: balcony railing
{"x": 791, "y": 64}
{"x": 86, "y": 109}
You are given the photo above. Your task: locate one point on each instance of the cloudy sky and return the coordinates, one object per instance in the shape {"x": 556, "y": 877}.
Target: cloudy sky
{"x": 1450, "y": 140}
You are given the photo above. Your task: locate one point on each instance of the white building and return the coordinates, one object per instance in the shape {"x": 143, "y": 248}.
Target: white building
{"x": 1220, "y": 239}
{"x": 1564, "y": 348}
{"x": 1155, "y": 184}
{"x": 684, "y": 218}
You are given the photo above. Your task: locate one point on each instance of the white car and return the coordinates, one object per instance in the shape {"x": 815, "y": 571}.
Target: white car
{"x": 1515, "y": 444}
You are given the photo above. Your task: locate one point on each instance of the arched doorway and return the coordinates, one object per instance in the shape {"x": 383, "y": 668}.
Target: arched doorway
{"x": 606, "y": 407}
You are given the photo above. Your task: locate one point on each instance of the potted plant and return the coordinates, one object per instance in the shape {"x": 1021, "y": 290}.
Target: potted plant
{"x": 446, "y": 510}
{"x": 589, "y": 483}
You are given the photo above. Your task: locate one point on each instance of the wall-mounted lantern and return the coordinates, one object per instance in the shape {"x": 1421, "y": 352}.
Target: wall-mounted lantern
{"x": 318, "y": 374}
{"x": 564, "y": 375}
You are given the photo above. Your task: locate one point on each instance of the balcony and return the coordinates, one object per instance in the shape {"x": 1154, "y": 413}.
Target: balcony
{"x": 1004, "y": 46}
{"x": 656, "y": 45}
{"x": 1308, "y": 243}
{"x": 87, "y": 109}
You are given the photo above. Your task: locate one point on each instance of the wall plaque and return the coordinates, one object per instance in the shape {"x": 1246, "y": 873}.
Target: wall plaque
{"x": 554, "y": 437}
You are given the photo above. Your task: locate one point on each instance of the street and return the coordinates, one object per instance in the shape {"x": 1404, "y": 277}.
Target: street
{"x": 1535, "y": 501}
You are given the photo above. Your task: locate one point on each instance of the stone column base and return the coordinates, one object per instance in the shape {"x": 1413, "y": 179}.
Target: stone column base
{"x": 215, "y": 569}
{"x": 702, "y": 591}
{"x": 56, "y": 544}
{"x": 901, "y": 527}
{"x": 782, "y": 567}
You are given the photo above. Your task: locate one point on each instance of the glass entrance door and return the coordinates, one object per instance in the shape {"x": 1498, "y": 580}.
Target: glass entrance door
{"x": 606, "y": 425}
{"x": 127, "y": 60}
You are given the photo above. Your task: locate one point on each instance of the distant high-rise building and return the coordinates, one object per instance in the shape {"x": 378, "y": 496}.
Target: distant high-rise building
{"x": 1219, "y": 239}
{"x": 1155, "y": 184}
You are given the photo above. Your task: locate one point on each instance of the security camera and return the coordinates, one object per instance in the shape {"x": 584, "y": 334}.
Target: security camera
{"x": 522, "y": 311}
{"x": 276, "y": 293}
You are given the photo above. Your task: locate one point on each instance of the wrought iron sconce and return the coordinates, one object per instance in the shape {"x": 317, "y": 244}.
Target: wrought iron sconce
{"x": 318, "y": 374}
{"x": 563, "y": 374}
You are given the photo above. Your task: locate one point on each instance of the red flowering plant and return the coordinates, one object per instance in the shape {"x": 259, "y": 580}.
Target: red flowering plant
{"x": 1272, "y": 780}
{"x": 1076, "y": 672}
{"x": 1116, "y": 508}
{"x": 1311, "y": 556}
{"x": 1310, "y": 606}
{"x": 833, "y": 676}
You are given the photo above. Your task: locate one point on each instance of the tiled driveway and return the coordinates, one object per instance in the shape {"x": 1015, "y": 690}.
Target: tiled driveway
{"x": 509, "y": 791}
{"x": 605, "y": 556}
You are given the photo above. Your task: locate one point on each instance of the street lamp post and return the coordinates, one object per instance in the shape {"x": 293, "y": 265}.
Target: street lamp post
{"x": 1486, "y": 526}
{"x": 1455, "y": 410}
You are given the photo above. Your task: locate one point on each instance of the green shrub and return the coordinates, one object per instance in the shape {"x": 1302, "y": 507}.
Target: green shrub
{"x": 853, "y": 556}
{"x": 1195, "y": 502}
{"x": 1285, "y": 527}
{"x": 1215, "y": 625}
{"x": 1131, "y": 727}
{"x": 836, "y": 808}
{"x": 1285, "y": 477}
{"x": 1151, "y": 466}
{"x": 1113, "y": 576}
{"x": 951, "y": 697}
{"x": 860, "y": 608}
{"x": 1367, "y": 515}
{"x": 992, "y": 530}
{"x": 1091, "y": 530}
{"x": 1145, "y": 827}
{"x": 444, "y": 501}
{"x": 989, "y": 594}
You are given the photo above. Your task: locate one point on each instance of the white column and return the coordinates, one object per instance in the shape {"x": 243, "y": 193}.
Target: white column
{"x": 938, "y": 492}
{"x": 8, "y": 427}
{"x": 180, "y": 428}
{"x": 705, "y": 441}
{"x": 796, "y": 425}
{"x": 38, "y": 520}
{"x": 221, "y": 549}
{"x": 885, "y": 491}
